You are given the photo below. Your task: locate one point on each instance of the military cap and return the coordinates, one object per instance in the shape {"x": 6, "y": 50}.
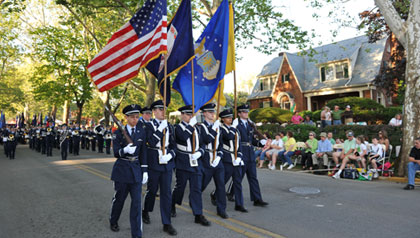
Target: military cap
{"x": 157, "y": 104}
{"x": 145, "y": 110}
{"x": 210, "y": 107}
{"x": 131, "y": 109}
{"x": 226, "y": 113}
{"x": 243, "y": 108}
{"x": 186, "y": 109}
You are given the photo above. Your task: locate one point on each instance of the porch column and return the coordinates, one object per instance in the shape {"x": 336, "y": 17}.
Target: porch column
{"x": 361, "y": 93}
{"x": 308, "y": 103}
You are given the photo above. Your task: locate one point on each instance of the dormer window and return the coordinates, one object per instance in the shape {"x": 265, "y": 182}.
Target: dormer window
{"x": 267, "y": 83}
{"x": 285, "y": 78}
{"x": 334, "y": 71}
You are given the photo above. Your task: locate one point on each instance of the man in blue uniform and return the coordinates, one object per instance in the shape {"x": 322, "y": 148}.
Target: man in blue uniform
{"x": 212, "y": 167}
{"x": 129, "y": 170}
{"x": 108, "y": 139}
{"x": 232, "y": 157}
{"x": 50, "y": 140}
{"x": 64, "y": 141}
{"x": 146, "y": 114}
{"x": 246, "y": 131}
{"x": 188, "y": 166}
{"x": 161, "y": 146}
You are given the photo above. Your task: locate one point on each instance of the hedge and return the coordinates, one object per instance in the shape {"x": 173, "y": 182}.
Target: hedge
{"x": 356, "y": 103}
{"x": 270, "y": 114}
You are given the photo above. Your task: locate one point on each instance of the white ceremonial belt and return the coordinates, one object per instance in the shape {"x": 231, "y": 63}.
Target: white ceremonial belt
{"x": 227, "y": 148}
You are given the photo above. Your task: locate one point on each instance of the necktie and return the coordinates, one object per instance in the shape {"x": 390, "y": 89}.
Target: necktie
{"x": 132, "y": 133}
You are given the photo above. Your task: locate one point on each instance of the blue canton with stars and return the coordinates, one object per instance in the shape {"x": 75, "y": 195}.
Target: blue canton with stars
{"x": 148, "y": 17}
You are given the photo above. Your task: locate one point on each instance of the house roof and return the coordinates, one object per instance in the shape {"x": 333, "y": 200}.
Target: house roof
{"x": 272, "y": 67}
{"x": 365, "y": 60}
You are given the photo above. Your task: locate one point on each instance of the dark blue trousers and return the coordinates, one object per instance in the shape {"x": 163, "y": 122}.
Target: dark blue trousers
{"x": 250, "y": 169}
{"x": 121, "y": 192}
{"x": 162, "y": 181}
{"x": 218, "y": 174}
{"x": 236, "y": 173}
{"x": 195, "y": 179}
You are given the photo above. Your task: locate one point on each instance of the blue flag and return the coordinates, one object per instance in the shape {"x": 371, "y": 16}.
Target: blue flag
{"x": 209, "y": 62}
{"x": 2, "y": 120}
{"x": 180, "y": 48}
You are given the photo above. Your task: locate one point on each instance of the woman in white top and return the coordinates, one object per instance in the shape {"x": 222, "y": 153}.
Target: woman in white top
{"x": 275, "y": 147}
{"x": 396, "y": 121}
{"x": 376, "y": 154}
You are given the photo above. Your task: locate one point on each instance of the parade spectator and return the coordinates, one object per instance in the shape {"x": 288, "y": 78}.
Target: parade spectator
{"x": 358, "y": 155}
{"x": 283, "y": 136}
{"x": 277, "y": 145}
{"x": 347, "y": 115}
{"x": 413, "y": 164}
{"x": 308, "y": 121}
{"x": 323, "y": 117}
{"x": 336, "y": 115}
{"x": 396, "y": 121}
{"x": 383, "y": 140}
{"x": 296, "y": 118}
{"x": 324, "y": 150}
{"x": 311, "y": 145}
{"x": 348, "y": 149}
{"x": 260, "y": 154}
{"x": 288, "y": 152}
{"x": 330, "y": 138}
{"x": 375, "y": 155}
{"x": 328, "y": 117}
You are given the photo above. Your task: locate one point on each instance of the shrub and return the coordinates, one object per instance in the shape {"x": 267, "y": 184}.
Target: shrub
{"x": 270, "y": 114}
{"x": 356, "y": 103}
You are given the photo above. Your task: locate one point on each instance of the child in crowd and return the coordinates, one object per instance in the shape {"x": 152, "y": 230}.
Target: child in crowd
{"x": 276, "y": 146}
{"x": 376, "y": 154}
{"x": 260, "y": 154}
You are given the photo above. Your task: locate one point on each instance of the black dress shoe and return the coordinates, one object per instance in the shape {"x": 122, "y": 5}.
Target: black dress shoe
{"x": 230, "y": 197}
{"x": 240, "y": 208}
{"x": 409, "y": 187}
{"x": 145, "y": 216}
{"x": 173, "y": 211}
{"x": 170, "y": 230}
{"x": 260, "y": 203}
{"x": 223, "y": 215}
{"x": 114, "y": 227}
{"x": 200, "y": 219}
{"x": 213, "y": 198}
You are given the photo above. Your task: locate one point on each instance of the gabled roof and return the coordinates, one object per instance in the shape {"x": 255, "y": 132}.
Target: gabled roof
{"x": 365, "y": 60}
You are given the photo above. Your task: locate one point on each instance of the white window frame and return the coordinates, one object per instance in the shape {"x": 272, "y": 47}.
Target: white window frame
{"x": 334, "y": 71}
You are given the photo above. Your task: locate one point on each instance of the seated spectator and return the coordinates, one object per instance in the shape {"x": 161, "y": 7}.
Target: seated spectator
{"x": 288, "y": 152}
{"x": 260, "y": 154}
{"x": 336, "y": 115}
{"x": 383, "y": 139}
{"x": 358, "y": 155}
{"x": 308, "y": 121}
{"x": 347, "y": 115}
{"x": 283, "y": 136}
{"x": 330, "y": 138}
{"x": 296, "y": 118}
{"x": 396, "y": 121}
{"x": 375, "y": 155}
{"x": 413, "y": 164}
{"x": 324, "y": 149}
{"x": 348, "y": 149}
{"x": 311, "y": 145}
{"x": 275, "y": 147}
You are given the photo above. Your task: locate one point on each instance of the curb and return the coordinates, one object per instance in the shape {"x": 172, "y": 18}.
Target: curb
{"x": 398, "y": 179}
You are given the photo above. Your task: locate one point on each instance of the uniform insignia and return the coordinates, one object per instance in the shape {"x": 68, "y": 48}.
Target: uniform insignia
{"x": 114, "y": 136}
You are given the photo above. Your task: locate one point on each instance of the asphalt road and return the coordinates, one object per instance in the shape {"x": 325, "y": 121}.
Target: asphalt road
{"x": 46, "y": 197}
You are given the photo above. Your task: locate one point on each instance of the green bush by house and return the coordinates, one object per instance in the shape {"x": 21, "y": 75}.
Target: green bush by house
{"x": 270, "y": 114}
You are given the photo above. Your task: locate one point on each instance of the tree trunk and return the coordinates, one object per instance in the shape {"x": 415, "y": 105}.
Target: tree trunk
{"x": 66, "y": 109}
{"x": 150, "y": 88}
{"x": 106, "y": 113}
{"x": 53, "y": 112}
{"x": 79, "y": 113}
{"x": 411, "y": 128}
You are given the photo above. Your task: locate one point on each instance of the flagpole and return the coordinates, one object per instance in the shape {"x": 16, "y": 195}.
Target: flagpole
{"x": 217, "y": 118}
{"x": 165, "y": 75}
{"x": 193, "y": 105}
{"x": 234, "y": 93}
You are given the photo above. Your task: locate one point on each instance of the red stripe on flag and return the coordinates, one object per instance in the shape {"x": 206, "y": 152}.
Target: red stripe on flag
{"x": 119, "y": 81}
{"x": 120, "y": 33}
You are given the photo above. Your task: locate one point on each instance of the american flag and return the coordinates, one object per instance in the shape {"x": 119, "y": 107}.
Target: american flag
{"x": 133, "y": 46}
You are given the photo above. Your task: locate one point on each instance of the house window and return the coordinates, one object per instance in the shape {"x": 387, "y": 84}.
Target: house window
{"x": 285, "y": 103}
{"x": 261, "y": 85}
{"x": 285, "y": 77}
{"x": 273, "y": 81}
{"x": 327, "y": 73}
{"x": 342, "y": 71}
{"x": 266, "y": 104}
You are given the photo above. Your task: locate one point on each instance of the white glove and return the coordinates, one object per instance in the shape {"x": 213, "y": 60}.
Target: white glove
{"x": 263, "y": 142}
{"x": 237, "y": 161}
{"x": 216, "y": 162}
{"x": 235, "y": 123}
{"x": 166, "y": 158}
{"x": 145, "y": 178}
{"x": 193, "y": 121}
{"x": 196, "y": 155}
{"x": 163, "y": 125}
{"x": 216, "y": 125}
{"x": 241, "y": 163}
{"x": 130, "y": 149}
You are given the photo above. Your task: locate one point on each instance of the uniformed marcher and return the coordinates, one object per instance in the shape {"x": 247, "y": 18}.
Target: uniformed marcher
{"x": 38, "y": 139}
{"x": 64, "y": 141}
{"x": 160, "y": 160}
{"x": 88, "y": 137}
{"x": 49, "y": 141}
{"x": 232, "y": 157}
{"x": 76, "y": 140}
{"x": 212, "y": 165}
{"x": 92, "y": 138}
{"x": 43, "y": 139}
{"x": 146, "y": 114}
{"x": 11, "y": 143}
{"x": 129, "y": 170}
{"x": 188, "y": 165}
{"x": 248, "y": 141}
{"x": 100, "y": 132}
{"x": 71, "y": 139}
{"x": 83, "y": 135}
{"x": 108, "y": 139}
